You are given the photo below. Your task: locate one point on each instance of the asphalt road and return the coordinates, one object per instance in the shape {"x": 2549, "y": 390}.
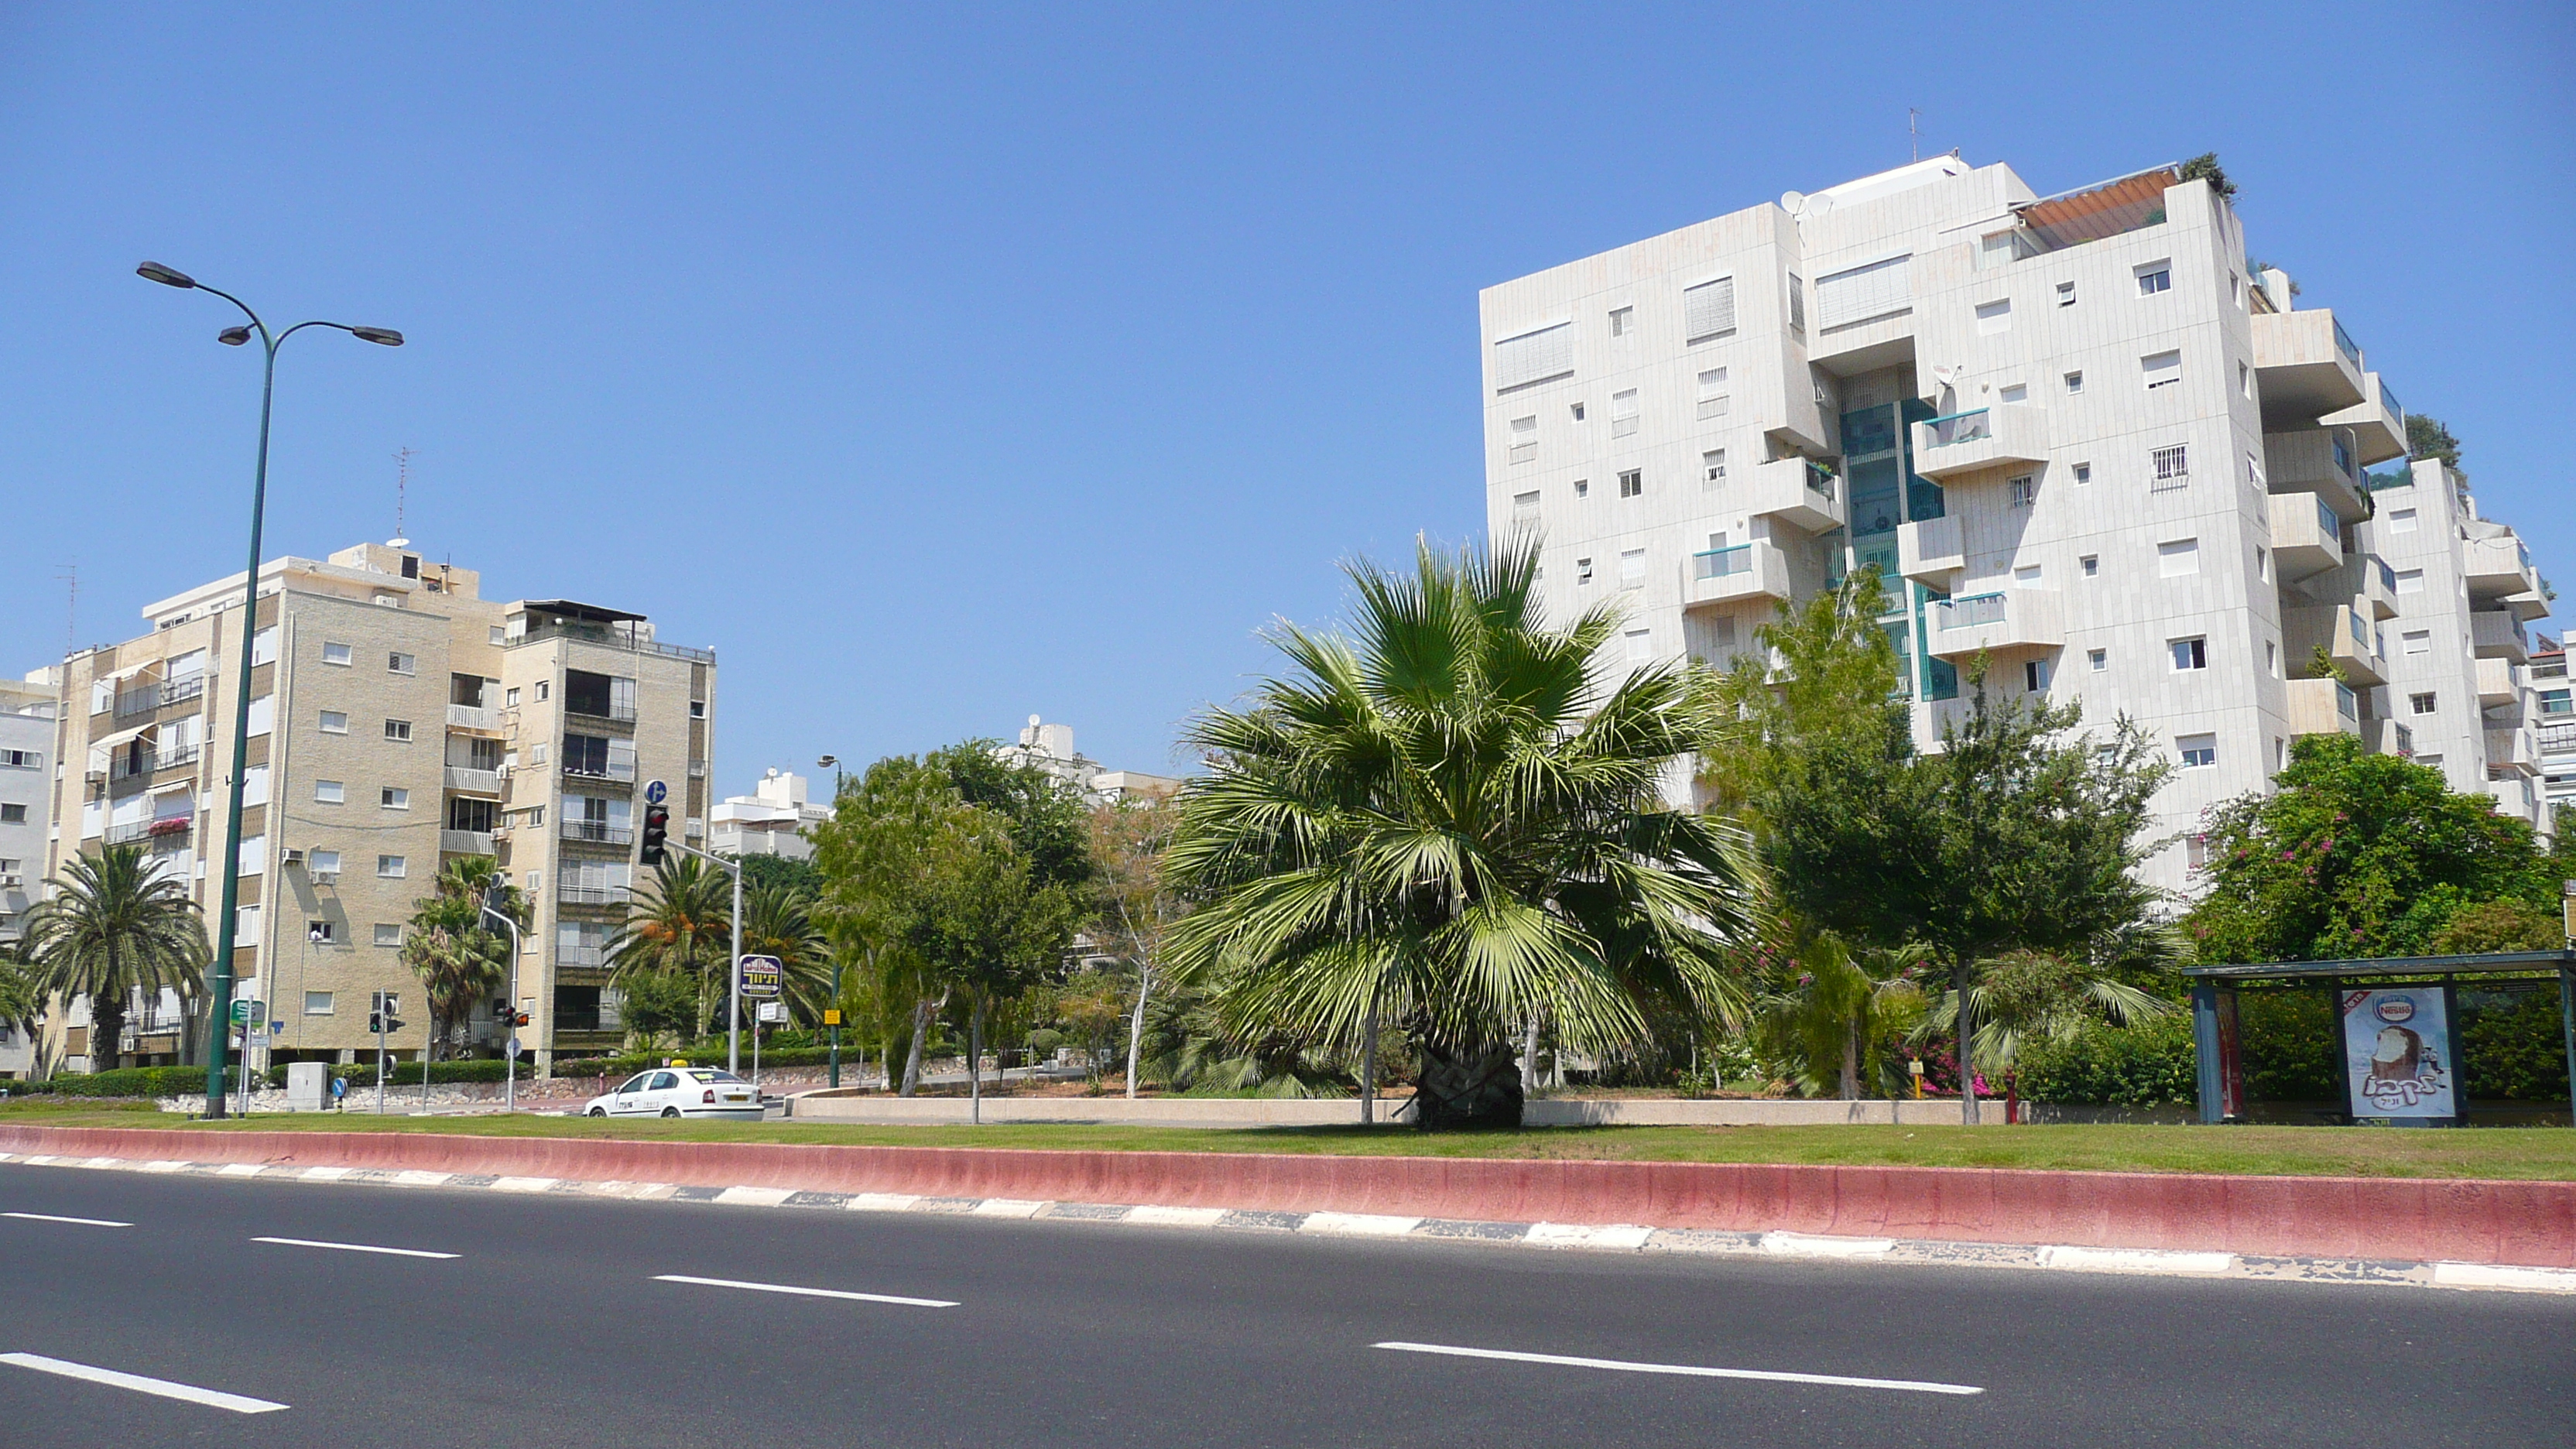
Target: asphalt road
{"x": 552, "y": 1327}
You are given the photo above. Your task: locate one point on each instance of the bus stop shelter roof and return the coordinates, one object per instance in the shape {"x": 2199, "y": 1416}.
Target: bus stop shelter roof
{"x": 2498, "y": 963}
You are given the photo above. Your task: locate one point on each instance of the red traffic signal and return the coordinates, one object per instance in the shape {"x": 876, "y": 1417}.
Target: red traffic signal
{"x": 657, "y": 830}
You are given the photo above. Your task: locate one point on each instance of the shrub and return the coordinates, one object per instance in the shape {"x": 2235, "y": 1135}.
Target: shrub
{"x": 139, "y": 1082}
{"x": 2513, "y": 1046}
{"x": 2289, "y": 1044}
{"x": 2151, "y": 1064}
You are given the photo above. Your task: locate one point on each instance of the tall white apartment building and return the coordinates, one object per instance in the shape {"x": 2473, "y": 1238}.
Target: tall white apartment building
{"x": 2557, "y": 737}
{"x": 399, "y": 720}
{"x": 2076, "y": 435}
{"x": 772, "y": 820}
{"x": 26, "y": 797}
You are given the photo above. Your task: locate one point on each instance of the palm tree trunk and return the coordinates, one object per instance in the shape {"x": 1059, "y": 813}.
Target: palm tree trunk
{"x": 1851, "y": 1060}
{"x": 106, "y": 1029}
{"x": 912, "y": 1058}
{"x": 1136, "y": 1024}
{"x": 1462, "y": 1087}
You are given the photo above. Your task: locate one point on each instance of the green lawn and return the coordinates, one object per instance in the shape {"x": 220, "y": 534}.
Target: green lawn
{"x": 2489, "y": 1152}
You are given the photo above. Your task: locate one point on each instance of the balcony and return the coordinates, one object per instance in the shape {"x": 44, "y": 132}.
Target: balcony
{"x": 581, "y": 955}
{"x": 1797, "y": 491}
{"x": 129, "y": 833}
{"x": 2307, "y": 535}
{"x": 2352, "y": 644}
{"x": 2558, "y": 739}
{"x": 1756, "y": 570}
{"x": 2378, "y": 587}
{"x": 1930, "y": 551}
{"x": 465, "y": 842}
{"x": 2511, "y": 752}
{"x": 2307, "y": 364}
{"x": 2007, "y": 434}
{"x": 2378, "y": 428}
{"x": 592, "y": 895}
{"x": 466, "y": 780}
{"x": 2388, "y": 737}
{"x": 597, "y": 832}
{"x": 2499, "y": 684}
{"x": 2495, "y": 634}
{"x": 473, "y": 717}
{"x": 608, "y": 710}
{"x": 2002, "y": 621}
{"x": 620, "y": 772}
{"x": 2323, "y": 707}
{"x": 149, "y": 697}
{"x": 2499, "y": 567}
{"x": 623, "y": 639}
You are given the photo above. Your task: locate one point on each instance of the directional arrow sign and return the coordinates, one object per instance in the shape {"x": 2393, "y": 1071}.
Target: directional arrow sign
{"x": 762, "y": 976}
{"x": 655, "y": 792}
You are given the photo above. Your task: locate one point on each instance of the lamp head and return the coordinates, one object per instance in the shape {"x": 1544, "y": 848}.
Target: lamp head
{"x": 381, "y": 336}
{"x": 233, "y": 336}
{"x": 155, "y": 272}
{"x": 827, "y": 762}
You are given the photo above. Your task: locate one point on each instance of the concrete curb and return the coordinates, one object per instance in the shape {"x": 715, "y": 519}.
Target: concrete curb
{"x": 2512, "y": 1224}
{"x": 1592, "y": 1237}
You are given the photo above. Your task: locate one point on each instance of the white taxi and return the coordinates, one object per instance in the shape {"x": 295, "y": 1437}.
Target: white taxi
{"x": 678, "y": 1091}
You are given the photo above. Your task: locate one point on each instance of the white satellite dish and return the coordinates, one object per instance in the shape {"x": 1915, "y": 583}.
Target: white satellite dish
{"x": 1818, "y": 205}
{"x": 1947, "y": 375}
{"x": 1793, "y": 201}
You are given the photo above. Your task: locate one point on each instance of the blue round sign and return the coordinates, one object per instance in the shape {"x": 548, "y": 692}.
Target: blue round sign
{"x": 655, "y": 792}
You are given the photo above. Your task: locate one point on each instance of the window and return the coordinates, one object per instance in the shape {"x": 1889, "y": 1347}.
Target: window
{"x": 1583, "y": 571}
{"x": 1708, "y": 311}
{"x": 2410, "y": 581}
{"x": 13, "y": 814}
{"x": 317, "y": 1003}
{"x": 1712, "y": 467}
{"x": 500, "y": 636}
{"x": 395, "y": 798}
{"x": 2083, "y": 472}
{"x": 1797, "y": 305}
{"x": 510, "y": 697}
{"x": 2198, "y": 751}
{"x": 388, "y": 933}
{"x": 2170, "y": 466}
{"x": 2162, "y": 369}
{"x": 263, "y": 647}
{"x": 2027, "y": 576}
{"x": 476, "y": 817}
{"x": 1641, "y": 646}
{"x": 1623, "y": 320}
{"x": 697, "y": 709}
{"x": 1713, "y": 399}
{"x": 399, "y": 663}
{"x": 392, "y": 867}
{"x": 2097, "y": 659}
{"x": 1632, "y": 483}
{"x": 2066, "y": 294}
{"x": 2236, "y": 289}
{"x": 398, "y": 729}
{"x": 1534, "y": 357}
{"x": 2262, "y": 564}
{"x": 2176, "y": 557}
{"x": 1632, "y": 568}
{"x": 1582, "y": 488}
{"x": 2280, "y": 754}
{"x": 2418, "y": 641}
{"x": 2195, "y": 852}
{"x": 2244, "y": 380}
{"x": 329, "y": 792}
{"x": 335, "y": 654}
{"x": 1575, "y": 410}
{"x": 1524, "y": 505}
{"x": 2253, "y": 471}
{"x": 2092, "y": 565}
{"x": 2405, "y": 740}
{"x": 545, "y": 690}
{"x": 2401, "y": 520}
{"x": 2074, "y": 382}
{"x": 2013, "y": 392}
{"x": 318, "y": 932}
{"x": 2342, "y": 455}
{"x": 1524, "y": 439}
{"x": 2154, "y": 277}
{"x": 1623, "y": 413}
{"x": 23, "y": 759}
{"x": 1994, "y": 316}
{"x": 2192, "y": 653}
{"x": 2025, "y": 490}
{"x": 2034, "y": 675}
{"x": 2272, "y": 658}
{"x": 1864, "y": 294}
{"x": 335, "y": 722}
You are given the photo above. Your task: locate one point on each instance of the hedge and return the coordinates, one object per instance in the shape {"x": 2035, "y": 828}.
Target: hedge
{"x": 128, "y": 1082}
{"x": 2148, "y": 1065}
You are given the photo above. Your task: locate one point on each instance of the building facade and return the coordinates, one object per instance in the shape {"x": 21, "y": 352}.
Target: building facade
{"x": 2079, "y": 437}
{"x": 772, "y": 820}
{"x": 1049, "y": 747}
{"x": 2557, "y": 713}
{"x": 399, "y": 720}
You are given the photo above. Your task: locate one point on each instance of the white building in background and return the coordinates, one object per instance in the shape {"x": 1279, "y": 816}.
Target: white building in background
{"x": 772, "y": 820}
{"x": 27, "y": 740}
{"x": 2077, "y": 435}
{"x": 1049, "y": 747}
{"x": 2557, "y": 713}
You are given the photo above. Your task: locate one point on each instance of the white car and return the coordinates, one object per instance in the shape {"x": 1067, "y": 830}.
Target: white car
{"x": 679, "y": 1092}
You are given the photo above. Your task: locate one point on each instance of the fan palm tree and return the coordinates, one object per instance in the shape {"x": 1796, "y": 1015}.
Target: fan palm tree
{"x": 685, "y": 927}
{"x": 114, "y": 927}
{"x": 1454, "y": 820}
{"x": 1823, "y": 1005}
{"x": 2046, "y": 995}
{"x": 452, "y": 947}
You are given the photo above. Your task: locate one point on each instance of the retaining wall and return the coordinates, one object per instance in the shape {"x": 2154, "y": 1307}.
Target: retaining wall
{"x": 2523, "y": 1223}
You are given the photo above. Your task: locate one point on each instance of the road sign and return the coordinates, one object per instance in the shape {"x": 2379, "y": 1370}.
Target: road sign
{"x": 655, "y": 792}
{"x": 773, "y": 1011}
{"x": 249, "y": 1011}
{"x": 514, "y": 1046}
{"x": 762, "y": 976}
{"x": 831, "y": 1016}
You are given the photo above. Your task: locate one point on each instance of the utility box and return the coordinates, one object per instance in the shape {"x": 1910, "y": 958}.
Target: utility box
{"x": 308, "y": 1086}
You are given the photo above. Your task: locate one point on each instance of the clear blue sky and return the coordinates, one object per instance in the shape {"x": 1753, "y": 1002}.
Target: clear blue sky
{"x": 941, "y": 365}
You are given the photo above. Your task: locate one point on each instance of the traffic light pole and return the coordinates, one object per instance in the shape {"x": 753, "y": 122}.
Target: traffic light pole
{"x": 733, "y": 1012}
{"x": 510, "y": 1079}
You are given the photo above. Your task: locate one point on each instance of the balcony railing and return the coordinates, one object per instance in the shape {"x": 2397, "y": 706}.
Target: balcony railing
{"x": 471, "y": 717}
{"x": 2329, "y": 522}
{"x": 472, "y": 781}
{"x": 1717, "y": 563}
{"x": 465, "y": 842}
{"x": 597, "y": 832}
{"x": 600, "y": 770}
{"x": 581, "y": 955}
{"x": 154, "y": 696}
{"x": 1972, "y": 610}
{"x": 128, "y": 834}
{"x": 2347, "y": 704}
{"x": 612, "y": 711}
{"x": 2344, "y": 344}
{"x": 591, "y": 895}
{"x": 2557, "y": 737}
{"x": 1820, "y": 479}
{"x": 614, "y": 639}
{"x": 1964, "y": 427}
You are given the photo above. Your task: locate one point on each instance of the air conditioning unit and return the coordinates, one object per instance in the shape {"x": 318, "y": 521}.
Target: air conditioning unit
{"x": 294, "y": 857}
{"x": 326, "y": 877}
{"x": 12, "y": 881}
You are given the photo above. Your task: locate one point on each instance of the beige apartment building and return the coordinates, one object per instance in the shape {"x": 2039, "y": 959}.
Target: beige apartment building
{"x": 399, "y": 720}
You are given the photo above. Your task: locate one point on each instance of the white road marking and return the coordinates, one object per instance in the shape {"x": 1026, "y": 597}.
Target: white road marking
{"x": 1577, "y": 1235}
{"x": 411, "y": 1178}
{"x": 2135, "y": 1260}
{"x": 755, "y": 1196}
{"x": 1811, "y": 1245}
{"x": 884, "y": 1202}
{"x": 51, "y": 1218}
{"x": 2489, "y": 1275}
{"x": 1358, "y": 1225}
{"x": 524, "y": 1184}
{"x": 141, "y": 1385}
{"x": 803, "y": 1292}
{"x": 241, "y": 1169}
{"x": 353, "y": 1247}
{"x": 1913, "y": 1386}
{"x": 1174, "y": 1217}
{"x": 325, "y": 1174}
{"x": 1006, "y": 1207}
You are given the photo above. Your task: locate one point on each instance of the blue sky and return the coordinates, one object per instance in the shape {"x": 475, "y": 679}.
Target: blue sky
{"x": 943, "y": 365}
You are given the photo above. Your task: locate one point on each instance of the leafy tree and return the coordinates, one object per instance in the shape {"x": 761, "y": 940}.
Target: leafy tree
{"x": 779, "y": 920}
{"x": 115, "y": 927}
{"x": 2505, "y": 925}
{"x": 454, "y": 950}
{"x": 20, "y": 1000}
{"x": 2356, "y": 854}
{"x": 1454, "y": 819}
{"x": 2022, "y": 997}
{"x": 1823, "y": 1006}
{"x": 1190, "y": 1046}
{"x": 1137, "y": 904}
{"x": 658, "y": 1006}
{"x": 782, "y": 871}
{"x": 683, "y": 928}
{"x": 2426, "y": 437}
{"x": 2204, "y": 167}
{"x": 1048, "y": 820}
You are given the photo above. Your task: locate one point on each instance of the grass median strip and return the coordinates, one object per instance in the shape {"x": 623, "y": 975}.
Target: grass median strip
{"x": 1911, "y": 1386}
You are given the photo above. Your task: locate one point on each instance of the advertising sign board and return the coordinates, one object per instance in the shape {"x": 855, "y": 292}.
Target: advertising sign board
{"x": 2400, "y": 1059}
{"x": 761, "y": 976}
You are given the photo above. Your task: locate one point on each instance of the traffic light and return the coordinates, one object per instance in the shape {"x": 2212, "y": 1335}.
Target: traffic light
{"x": 657, "y": 829}
{"x": 518, "y": 1018}
{"x": 382, "y": 1013}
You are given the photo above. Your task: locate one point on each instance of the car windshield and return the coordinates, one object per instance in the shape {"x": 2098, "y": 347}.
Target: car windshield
{"x": 715, "y": 1076}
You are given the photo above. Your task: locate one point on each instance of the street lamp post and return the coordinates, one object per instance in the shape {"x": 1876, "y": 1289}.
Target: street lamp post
{"x": 220, "y": 1042}
{"x": 510, "y": 1044}
{"x": 833, "y": 764}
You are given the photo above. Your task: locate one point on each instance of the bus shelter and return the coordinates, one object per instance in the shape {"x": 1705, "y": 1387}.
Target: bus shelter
{"x": 2398, "y": 1025}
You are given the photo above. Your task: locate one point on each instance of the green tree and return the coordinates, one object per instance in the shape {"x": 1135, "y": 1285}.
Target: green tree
{"x": 1824, "y": 1004}
{"x": 114, "y": 928}
{"x": 454, "y": 950}
{"x": 658, "y": 1006}
{"x": 2426, "y": 437}
{"x": 684, "y": 928}
{"x": 2355, "y": 854}
{"x": 1048, "y": 820}
{"x": 779, "y": 920}
{"x": 20, "y": 1000}
{"x": 783, "y": 871}
{"x": 1453, "y": 818}
{"x": 1137, "y": 901}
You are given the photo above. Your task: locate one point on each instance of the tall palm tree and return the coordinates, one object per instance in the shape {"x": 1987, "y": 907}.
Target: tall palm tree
{"x": 1454, "y": 820}
{"x": 778, "y": 920}
{"x": 453, "y": 948}
{"x": 115, "y": 926}
{"x": 685, "y": 927}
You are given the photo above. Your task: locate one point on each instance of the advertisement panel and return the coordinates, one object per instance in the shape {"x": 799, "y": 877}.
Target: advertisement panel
{"x": 2231, "y": 1061}
{"x": 2399, "y": 1065}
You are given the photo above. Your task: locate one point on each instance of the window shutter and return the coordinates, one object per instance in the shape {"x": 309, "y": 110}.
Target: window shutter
{"x": 1534, "y": 357}
{"x": 1863, "y": 294}
{"x": 1708, "y": 310}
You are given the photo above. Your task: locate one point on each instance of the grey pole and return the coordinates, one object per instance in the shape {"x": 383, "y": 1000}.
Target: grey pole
{"x": 510, "y": 1072}
{"x": 733, "y": 1045}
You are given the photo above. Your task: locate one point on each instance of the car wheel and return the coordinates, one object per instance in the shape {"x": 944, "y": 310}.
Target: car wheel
{"x": 670, "y": 1111}
{"x": 599, "y": 1111}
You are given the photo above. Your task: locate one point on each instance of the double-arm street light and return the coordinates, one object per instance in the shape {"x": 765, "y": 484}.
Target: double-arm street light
{"x": 219, "y": 1035}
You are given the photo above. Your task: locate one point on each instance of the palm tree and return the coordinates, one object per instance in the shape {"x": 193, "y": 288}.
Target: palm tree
{"x": 1455, "y": 820}
{"x": 1824, "y": 1003}
{"x": 115, "y": 926}
{"x": 2052, "y": 996}
{"x": 778, "y": 920}
{"x": 685, "y": 927}
{"x": 452, "y": 947}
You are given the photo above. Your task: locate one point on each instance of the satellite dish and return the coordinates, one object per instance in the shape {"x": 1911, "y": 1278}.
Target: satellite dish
{"x": 1947, "y": 375}
{"x": 1818, "y": 205}
{"x": 1793, "y": 202}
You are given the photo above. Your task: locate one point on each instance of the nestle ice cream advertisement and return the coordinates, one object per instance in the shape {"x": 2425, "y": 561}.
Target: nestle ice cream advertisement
{"x": 2397, "y": 1052}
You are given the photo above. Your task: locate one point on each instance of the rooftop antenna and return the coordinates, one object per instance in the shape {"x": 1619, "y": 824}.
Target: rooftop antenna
{"x": 1912, "y": 134}
{"x": 70, "y": 574}
{"x": 402, "y": 495}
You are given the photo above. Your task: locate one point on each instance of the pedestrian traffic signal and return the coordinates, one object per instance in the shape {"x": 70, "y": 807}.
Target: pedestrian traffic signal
{"x": 657, "y": 829}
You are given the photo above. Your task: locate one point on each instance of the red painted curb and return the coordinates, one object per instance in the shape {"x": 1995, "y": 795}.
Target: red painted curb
{"x": 2531, "y": 1224}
